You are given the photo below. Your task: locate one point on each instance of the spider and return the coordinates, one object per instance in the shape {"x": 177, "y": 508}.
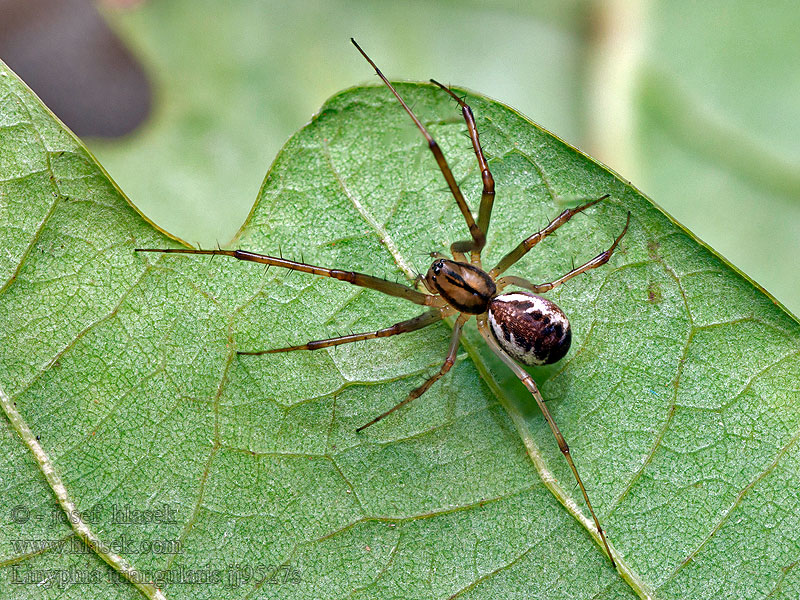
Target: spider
{"x": 520, "y": 327}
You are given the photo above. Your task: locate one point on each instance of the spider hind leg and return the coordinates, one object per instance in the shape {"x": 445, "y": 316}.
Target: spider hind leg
{"x": 540, "y": 288}
{"x": 528, "y": 382}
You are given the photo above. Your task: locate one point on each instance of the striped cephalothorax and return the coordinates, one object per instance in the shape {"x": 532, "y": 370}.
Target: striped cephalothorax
{"x": 518, "y": 326}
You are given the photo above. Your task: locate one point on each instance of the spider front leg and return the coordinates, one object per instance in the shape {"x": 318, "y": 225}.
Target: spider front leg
{"x": 478, "y": 235}
{"x": 390, "y": 288}
{"x": 528, "y": 243}
{"x": 418, "y": 322}
{"x": 448, "y": 362}
{"x": 528, "y": 382}
{"x": 487, "y": 195}
{"x": 540, "y": 288}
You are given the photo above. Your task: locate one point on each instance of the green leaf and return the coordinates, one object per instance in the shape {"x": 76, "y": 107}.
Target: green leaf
{"x": 679, "y": 398}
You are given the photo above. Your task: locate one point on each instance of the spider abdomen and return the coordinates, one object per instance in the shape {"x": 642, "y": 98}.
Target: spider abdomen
{"x": 532, "y": 329}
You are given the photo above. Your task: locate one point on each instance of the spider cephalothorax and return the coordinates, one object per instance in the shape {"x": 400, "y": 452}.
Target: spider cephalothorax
{"x": 517, "y": 326}
{"x": 466, "y": 288}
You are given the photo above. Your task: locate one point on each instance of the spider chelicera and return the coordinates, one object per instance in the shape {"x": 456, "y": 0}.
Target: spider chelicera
{"x": 517, "y": 326}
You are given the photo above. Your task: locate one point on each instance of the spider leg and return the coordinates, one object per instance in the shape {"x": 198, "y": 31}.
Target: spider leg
{"x": 478, "y": 235}
{"x": 487, "y": 196}
{"x": 448, "y": 362}
{"x": 527, "y": 380}
{"x": 528, "y": 243}
{"x": 540, "y": 288}
{"x": 360, "y": 279}
{"x": 418, "y": 322}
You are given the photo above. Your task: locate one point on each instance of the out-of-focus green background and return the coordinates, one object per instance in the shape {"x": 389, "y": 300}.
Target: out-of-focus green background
{"x": 696, "y": 103}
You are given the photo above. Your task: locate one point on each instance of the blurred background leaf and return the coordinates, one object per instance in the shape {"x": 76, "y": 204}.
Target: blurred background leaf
{"x": 695, "y": 103}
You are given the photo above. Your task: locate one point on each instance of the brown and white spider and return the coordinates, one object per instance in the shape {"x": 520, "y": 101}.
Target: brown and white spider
{"x": 517, "y": 326}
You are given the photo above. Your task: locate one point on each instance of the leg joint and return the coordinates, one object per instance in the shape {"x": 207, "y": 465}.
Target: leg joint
{"x": 348, "y": 276}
